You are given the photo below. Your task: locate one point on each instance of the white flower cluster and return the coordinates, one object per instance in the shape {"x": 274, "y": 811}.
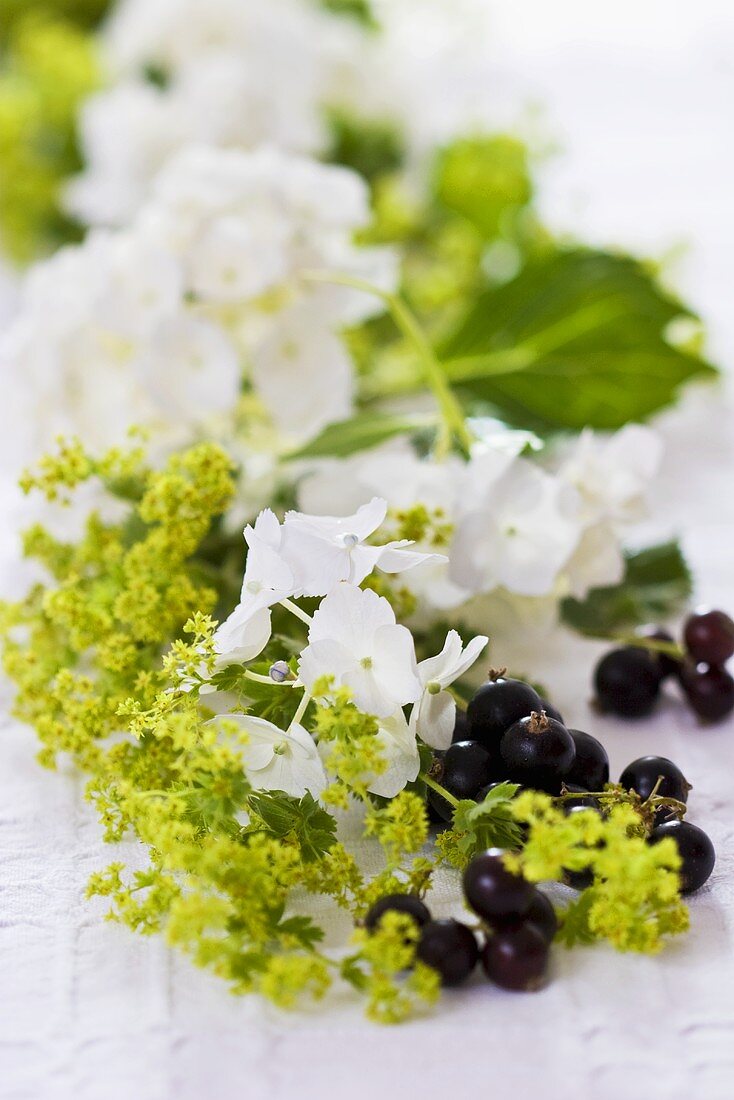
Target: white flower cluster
{"x": 354, "y": 642}
{"x": 527, "y": 527}
{"x": 161, "y": 323}
{"x": 239, "y": 73}
{"x": 230, "y": 73}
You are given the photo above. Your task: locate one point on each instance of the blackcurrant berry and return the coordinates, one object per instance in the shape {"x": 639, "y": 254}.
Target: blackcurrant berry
{"x": 517, "y": 958}
{"x": 493, "y": 891}
{"x": 541, "y": 915}
{"x": 538, "y": 751}
{"x": 496, "y": 705}
{"x": 398, "y": 903}
{"x": 667, "y": 665}
{"x": 709, "y": 636}
{"x": 709, "y": 691}
{"x": 467, "y": 767}
{"x": 461, "y": 726}
{"x": 627, "y": 682}
{"x": 696, "y": 852}
{"x": 450, "y": 948}
{"x": 590, "y": 768}
{"x": 551, "y": 711}
{"x": 642, "y": 776}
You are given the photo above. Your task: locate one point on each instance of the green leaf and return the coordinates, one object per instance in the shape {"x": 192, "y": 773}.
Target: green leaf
{"x": 487, "y": 824}
{"x": 484, "y": 179}
{"x": 301, "y": 928}
{"x": 366, "y": 430}
{"x": 302, "y": 819}
{"x": 574, "y": 923}
{"x": 656, "y": 584}
{"x": 576, "y": 339}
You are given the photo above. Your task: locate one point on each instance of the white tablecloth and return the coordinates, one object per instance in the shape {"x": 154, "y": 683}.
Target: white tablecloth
{"x": 91, "y": 1012}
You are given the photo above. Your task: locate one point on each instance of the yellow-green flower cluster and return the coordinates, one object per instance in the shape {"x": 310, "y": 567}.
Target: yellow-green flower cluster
{"x": 47, "y": 67}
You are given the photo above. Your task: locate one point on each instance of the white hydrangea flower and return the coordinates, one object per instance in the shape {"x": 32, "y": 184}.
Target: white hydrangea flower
{"x": 355, "y": 639}
{"x": 268, "y": 580}
{"x": 613, "y": 473}
{"x": 103, "y": 340}
{"x": 324, "y": 550}
{"x": 278, "y": 760}
{"x": 237, "y": 73}
{"x": 518, "y": 533}
{"x": 160, "y": 323}
{"x": 434, "y": 715}
{"x": 398, "y": 746}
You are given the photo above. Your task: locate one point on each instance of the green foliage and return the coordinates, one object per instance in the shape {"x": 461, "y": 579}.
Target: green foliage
{"x": 578, "y": 338}
{"x": 485, "y": 179}
{"x": 47, "y": 67}
{"x": 656, "y": 585}
{"x": 356, "y": 9}
{"x": 298, "y": 820}
{"x": 365, "y": 430}
{"x": 477, "y": 826}
{"x": 82, "y": 13}
{"x": 374, "y": 149}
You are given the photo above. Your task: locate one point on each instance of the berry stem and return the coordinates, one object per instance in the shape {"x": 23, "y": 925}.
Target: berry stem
{"x": 654, "y": 645}
{"x": 429, "y": 782}
{"x": 453, "y": 424}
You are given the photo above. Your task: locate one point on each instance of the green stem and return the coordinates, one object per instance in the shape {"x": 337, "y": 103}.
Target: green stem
{"x": 429, "y": 782}
{"x": 301, "y": 709}
{"x": 452, "y": 416}
{"x": 297, "y": 611}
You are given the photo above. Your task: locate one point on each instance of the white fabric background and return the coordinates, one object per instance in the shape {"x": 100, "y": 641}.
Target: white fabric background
{"x": 641, "y": 97}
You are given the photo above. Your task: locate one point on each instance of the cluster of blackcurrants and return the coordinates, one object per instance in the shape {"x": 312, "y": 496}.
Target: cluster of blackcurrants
{"x": 628, "y": 679}
{"x": 518, "y": 926}
{"x": 510, "y": 733}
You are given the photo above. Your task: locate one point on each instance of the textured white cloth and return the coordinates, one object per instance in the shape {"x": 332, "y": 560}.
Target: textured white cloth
{"x": 91, "y": 1012}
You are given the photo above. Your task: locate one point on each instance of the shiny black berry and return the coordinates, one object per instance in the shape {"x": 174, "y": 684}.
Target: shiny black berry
{"x": 580, "y": 800}
{"x": 709, "y": 636}
{"x": 541, "y": 914}
{"x": 492, "y": 891}
{"x": 496, "y": 705}
{"x": 537, "y": 751}
{"x": 461, "y": 726}
{"x": 667, "y": 665}
{"x": 709, "y": 691}
{"x": 467, "y": 767}
{"x": 696, "y": 852}
{"x": 642, "y": 776}
{"x": 450, "y": 948}
{"x": 627, "y": 682}
{"x": 398, "y": 903}
{"x": 517, "y": 958}
{"x": 590, "y": 768}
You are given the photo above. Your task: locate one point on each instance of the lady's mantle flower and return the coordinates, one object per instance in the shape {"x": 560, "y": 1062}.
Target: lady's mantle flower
{"x": 434, "y": 715}
{"x": 324, "y": 550}
{"x": 278, "y": 760}
{"x": 354, "y": 639}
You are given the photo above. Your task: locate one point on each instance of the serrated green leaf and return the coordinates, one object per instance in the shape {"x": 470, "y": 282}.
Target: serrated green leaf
{"x": 301, "y": 928}
{"x": 576, "y": 339}
{"x": 574, "y": 921}
{"x": 282, "y": 815}
{"x": 656, "y": 585}
{"x": 361, "y": 432}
